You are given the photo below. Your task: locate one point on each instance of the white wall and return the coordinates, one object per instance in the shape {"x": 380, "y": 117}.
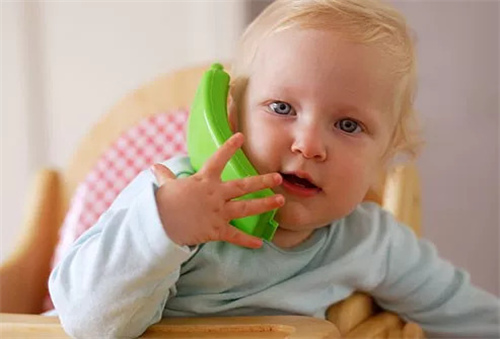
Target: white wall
{"x": 17, "y": 155}
{"x": 65, "y": 64}
{"x": 458, "y": 59}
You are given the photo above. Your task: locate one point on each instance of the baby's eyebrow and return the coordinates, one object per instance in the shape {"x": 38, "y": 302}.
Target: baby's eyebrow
{"x": 368, "y": 116}
{"x": 352, "y": 109}
{"x": 277, "y": 91}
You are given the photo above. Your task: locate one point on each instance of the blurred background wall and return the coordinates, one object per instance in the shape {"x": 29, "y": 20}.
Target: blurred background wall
{"x": 64, "y": 64}
{"x": 458, "y": 60}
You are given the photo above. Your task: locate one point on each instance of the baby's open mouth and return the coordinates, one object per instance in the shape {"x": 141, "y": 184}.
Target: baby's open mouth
{"x": 301, "y": 182}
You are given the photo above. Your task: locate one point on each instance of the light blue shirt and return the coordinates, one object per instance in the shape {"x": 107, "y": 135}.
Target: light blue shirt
{"x": 125, "y": 274}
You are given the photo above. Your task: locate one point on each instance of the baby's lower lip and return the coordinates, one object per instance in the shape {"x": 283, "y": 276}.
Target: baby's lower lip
{"x": 299, "y": 190}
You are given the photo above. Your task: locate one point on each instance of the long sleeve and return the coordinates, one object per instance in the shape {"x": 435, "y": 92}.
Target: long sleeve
{"x": 117, "y": 277}
{"x": 423, "y": 288}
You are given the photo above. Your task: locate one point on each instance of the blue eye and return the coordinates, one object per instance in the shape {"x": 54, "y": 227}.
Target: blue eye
{"x": 348, "y": 126}
{"x": 280, "y": 107}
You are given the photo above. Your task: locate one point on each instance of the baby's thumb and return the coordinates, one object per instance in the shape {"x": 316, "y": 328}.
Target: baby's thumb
{"x": 162, "y": 173}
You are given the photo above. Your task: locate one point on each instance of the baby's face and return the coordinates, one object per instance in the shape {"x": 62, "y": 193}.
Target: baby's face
{"x": 316, "y": 110}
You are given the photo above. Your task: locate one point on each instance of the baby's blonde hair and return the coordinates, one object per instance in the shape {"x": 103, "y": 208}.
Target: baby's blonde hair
{"x": 370, "y": 22}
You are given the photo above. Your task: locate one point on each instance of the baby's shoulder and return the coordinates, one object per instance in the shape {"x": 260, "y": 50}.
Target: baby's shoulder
{"x": 371, "y": 215}
{"x": 363, "y": 239}
{"x": 368, "y": 222}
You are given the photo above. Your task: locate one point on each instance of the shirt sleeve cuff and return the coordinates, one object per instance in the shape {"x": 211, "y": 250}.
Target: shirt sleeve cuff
{"x": 153, "y": 230}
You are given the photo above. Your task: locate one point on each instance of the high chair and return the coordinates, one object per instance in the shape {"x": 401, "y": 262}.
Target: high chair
{"x": 61, "y": 196}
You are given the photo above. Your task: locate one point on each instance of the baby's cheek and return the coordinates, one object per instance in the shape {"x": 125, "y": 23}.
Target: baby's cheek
{"x": 261, "y": 146}
{"x": 255, "y": 150}
{"x": 357, "y": 174}
{"x": 252, "y": 144}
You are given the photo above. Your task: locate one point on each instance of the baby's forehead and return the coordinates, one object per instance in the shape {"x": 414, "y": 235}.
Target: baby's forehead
{"x": 320, "y": 54}
{"x": 315, "y": 62}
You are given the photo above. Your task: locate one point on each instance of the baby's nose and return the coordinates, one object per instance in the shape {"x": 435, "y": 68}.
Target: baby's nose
{"x": 309, "y": 143}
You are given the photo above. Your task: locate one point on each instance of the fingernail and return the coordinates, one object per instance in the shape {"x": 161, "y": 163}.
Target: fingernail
{"x": 239, "y": 135}
{"x": 277, "y": 177}
{"x": 280, "y": 199}
{"x": 257, "y": 243}
{"x": 273, "y": 179}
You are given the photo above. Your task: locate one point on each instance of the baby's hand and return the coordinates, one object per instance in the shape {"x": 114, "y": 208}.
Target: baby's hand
{"x": 198, "y": 209}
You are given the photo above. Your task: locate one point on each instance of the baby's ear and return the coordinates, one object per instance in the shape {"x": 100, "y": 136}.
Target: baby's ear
{"x": 232, "y": 113}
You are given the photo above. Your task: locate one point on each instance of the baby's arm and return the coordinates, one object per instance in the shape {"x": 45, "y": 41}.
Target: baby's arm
{"x": 424, "y": 288}
{"x": 116, "y": 278}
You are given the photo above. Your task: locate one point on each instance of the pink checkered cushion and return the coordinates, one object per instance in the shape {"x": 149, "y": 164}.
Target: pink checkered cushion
{"x": 154, "y": 139}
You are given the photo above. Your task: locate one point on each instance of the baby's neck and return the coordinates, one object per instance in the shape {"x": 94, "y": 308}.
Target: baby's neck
{"x": 286, "y": 239}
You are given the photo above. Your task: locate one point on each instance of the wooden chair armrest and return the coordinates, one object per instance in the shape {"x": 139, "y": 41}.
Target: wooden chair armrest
{"x": 23, "y": 276}
{"x": 359, "y": 317}
{"x": 409, "y": 331}
{"x": 351, "y": 312}
{"x": 377, "y": 326}
{"x": 293, "y": 327}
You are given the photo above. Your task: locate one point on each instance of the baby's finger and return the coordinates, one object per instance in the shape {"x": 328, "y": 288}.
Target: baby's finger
{"x": 235, "y": 236}
{"x": 216, "y": 163}
{"x": 243, "y": 208}
{"x": 162, "y": 173}
{"x": 237, "y": 188}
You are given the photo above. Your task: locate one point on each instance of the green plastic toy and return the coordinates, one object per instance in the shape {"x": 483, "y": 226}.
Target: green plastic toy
{"x": 208, "y": 128}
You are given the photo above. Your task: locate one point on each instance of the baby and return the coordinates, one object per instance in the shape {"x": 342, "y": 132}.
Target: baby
{"x": 321, "y": 102}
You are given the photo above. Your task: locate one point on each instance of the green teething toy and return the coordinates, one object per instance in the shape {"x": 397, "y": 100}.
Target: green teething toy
{"x": 208, "y": 128}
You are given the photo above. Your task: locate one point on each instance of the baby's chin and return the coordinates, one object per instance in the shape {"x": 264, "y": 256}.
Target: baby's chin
{"x": 298, "y": 217}
{"x": 300, "y": 223}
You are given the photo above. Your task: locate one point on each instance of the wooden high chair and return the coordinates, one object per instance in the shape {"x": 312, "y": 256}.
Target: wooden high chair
{"x": 23, "y": 277}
